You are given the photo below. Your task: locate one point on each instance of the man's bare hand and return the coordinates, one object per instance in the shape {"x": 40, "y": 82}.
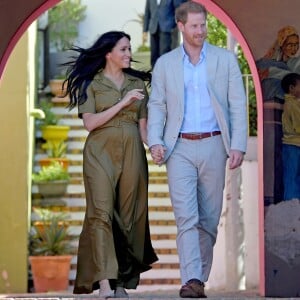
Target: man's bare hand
{"x": 236, "y": 158}
{"x": 158, "y": 153}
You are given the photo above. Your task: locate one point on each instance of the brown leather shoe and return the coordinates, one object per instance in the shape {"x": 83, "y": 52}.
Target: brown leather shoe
{"x": 194, "y": 288}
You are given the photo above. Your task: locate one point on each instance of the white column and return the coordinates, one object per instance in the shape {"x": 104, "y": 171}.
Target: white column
{"x": 234, "y": 232}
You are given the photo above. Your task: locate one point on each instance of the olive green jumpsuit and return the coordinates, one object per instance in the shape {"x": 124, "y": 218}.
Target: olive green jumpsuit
{"x": 115, "y": 240}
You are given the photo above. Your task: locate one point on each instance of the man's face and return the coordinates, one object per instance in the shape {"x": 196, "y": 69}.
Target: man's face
{"x": 194, "y": 31}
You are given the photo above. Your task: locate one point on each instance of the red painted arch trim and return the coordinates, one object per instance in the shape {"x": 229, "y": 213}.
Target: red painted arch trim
{"x": 221, "y": 15}
{"x": 230, "y": 24}
{"x": 22, "y": 28}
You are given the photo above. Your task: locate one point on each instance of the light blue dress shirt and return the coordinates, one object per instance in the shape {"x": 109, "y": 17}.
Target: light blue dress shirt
{"x": 199, "y": 115}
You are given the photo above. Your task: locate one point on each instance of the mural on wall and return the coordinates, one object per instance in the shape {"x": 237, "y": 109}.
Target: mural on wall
{"x": 282, "y": 162}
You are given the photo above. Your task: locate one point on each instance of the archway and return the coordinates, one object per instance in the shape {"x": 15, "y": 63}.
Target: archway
{"x": 38, "y": 7}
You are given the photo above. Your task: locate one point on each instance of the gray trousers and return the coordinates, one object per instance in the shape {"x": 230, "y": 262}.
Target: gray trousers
{"x": 196, "y": 175}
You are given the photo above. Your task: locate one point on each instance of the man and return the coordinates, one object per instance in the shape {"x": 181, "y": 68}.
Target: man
{"x": 159, "y": 20}
{"x": 197, "y": 118}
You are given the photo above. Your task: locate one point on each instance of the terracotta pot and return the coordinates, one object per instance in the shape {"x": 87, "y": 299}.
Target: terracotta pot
{"x": 44, "y": 162}
{"x": 50, "y": 273}
{"x": 56, "y": 87}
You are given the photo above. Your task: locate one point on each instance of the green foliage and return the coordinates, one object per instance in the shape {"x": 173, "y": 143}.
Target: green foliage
{"x": 217, "y": 32}
{"x": 49, "y": 235}
{"x": 217, "y": 35}
{"x": 143, "y": 48}
{"x": 140, "y": 20}
{"x": 55, "y": 171}
{"x": 50, "y": 117}
{"x": 63, "y": 23}
{"x": 55, "y": 150}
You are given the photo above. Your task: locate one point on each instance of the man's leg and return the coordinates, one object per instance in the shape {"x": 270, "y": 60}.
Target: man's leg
{"x": 165, "y": 42}
{"x": 154, "y": 46}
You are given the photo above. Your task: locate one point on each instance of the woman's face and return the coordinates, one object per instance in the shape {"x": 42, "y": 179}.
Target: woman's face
{"x": 290, "y": 47}
{"x": 120, "y": 55}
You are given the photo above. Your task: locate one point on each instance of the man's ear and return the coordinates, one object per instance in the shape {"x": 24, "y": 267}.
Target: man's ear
{"x": 180, "y": 26}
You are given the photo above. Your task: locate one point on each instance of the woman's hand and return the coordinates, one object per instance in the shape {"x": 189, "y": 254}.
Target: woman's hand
{"x": 92, "y": 121}
{"x": 131, "y": 96}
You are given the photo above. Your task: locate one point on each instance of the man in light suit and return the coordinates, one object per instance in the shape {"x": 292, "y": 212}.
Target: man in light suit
{"x": 159, "y": 20}
{"x": 197, "y": 119}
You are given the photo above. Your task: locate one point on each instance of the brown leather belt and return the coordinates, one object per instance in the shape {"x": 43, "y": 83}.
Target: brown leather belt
{"x": 198, "y": 136}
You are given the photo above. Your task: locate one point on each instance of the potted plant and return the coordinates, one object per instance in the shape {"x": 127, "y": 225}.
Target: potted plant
{"x": 56, "y": 85}
{"x": 63, "y": 27}
{"x": 52, "y": 181}
{"x": 55, "y": 152}
{"x": 63, "y": 21}
{"x": 50, "y": 251}
{"x": 50, "y": 128}
{"x": 141, "y": 57}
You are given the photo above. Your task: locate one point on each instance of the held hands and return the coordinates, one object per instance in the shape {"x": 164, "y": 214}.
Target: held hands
{"x": 236, "y": 158}
{"x": 131, "y": 96}
{"x": 158, "y": 153}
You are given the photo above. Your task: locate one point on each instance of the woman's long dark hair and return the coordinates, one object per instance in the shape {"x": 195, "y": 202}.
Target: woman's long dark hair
{"x": 82, "y": 68}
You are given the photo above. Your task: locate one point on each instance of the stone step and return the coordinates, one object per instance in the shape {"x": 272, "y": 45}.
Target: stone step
{"x": 159, "y": 231}
{"x": 76, "y": 161}
{"x": 77, "y": 191}
{"x": 155, "y": 275}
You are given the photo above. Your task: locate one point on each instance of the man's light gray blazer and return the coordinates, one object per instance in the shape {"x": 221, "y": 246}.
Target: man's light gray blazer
{"x": 226, "y": 89}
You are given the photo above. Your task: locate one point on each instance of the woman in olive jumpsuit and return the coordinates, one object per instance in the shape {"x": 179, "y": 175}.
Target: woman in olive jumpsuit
{"x": 114, "y": 245}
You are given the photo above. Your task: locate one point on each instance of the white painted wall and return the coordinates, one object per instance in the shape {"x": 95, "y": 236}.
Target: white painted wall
{"x": 106, "y": 15}
{"x": 236, "y": 253}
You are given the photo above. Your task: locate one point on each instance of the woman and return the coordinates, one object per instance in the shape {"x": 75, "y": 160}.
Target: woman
{"x": 277, "y": 62}
{"x": 114, "y": 245}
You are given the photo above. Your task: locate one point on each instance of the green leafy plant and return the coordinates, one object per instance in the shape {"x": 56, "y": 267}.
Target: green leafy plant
{"x": 218, "y": 36}
{"x": 140, "y": 21}
{"x": 143, "y": 48}
{"x": 50, "y": 117}
{"x": 50, "y": 234}
{"x": 55, "y": 150}
{"x": 63, "y": 20}
{"x": 55, "y": 171}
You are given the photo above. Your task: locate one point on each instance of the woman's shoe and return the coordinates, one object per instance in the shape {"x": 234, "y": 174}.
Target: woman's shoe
{"x": 105, "y": 290}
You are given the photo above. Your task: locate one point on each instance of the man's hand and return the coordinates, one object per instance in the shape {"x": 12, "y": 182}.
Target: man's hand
{"x": 158, "y": 153}
{"x": 236, "y": 158}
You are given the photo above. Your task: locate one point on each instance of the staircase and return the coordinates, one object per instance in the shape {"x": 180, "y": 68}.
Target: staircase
{"x": 165, "y": 272}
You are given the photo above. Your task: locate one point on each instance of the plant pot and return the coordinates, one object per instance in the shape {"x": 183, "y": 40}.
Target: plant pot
{"x": 56, "y": 89}
{"x": 43, "y": 162}
{"x": 56, "y": 86}
{"x": 50, "y": 273}
{"x": 55, "y": 133}
{"x": 55, "y": 188}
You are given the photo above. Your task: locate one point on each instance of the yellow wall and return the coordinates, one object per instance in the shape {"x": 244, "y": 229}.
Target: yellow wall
{"x": 15, "y": 166}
